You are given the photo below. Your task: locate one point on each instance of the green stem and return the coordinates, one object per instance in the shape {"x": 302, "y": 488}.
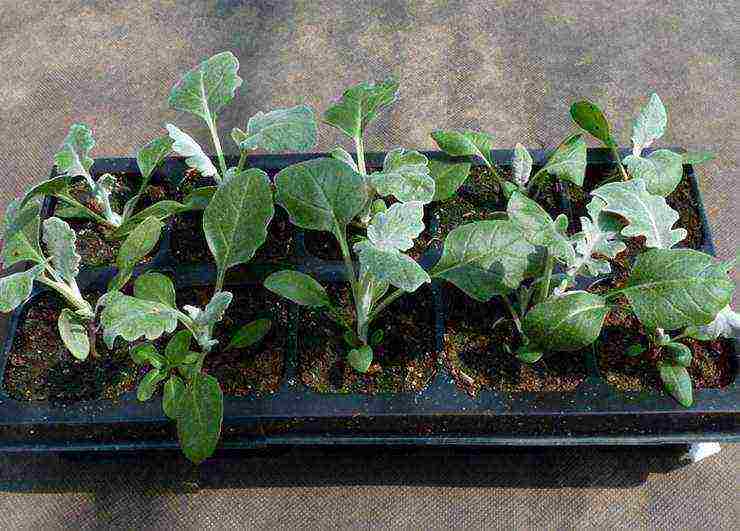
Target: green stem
{"x": 341, "y": 237}
{"x": 514, "y": 315}
{"x": 384, "y": 304}
{"x": 71, "y": 294}
{"x": 549, "y": 266}
{"x": 221, "y": 276}
{"x": 360, "y": 148}
{"x": 217, "y": 145}
{"x": 242, "y": 162}
{"x": 615, "y": 152}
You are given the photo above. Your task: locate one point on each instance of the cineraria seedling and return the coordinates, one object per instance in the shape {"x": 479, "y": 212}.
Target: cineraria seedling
{"x": 662, "y": 169}
{"x": 205, "y": 90}
{"x": 235, "y": 224}
{"x": 58, "y": 270}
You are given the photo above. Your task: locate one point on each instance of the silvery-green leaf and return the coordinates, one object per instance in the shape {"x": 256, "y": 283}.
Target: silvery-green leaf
{"x": 566, "y": 323}
{"x": 405, "y": 176}
{"x": 214, "y": 310}
{"x": 677, "y": 382}
{"x": 199, "y": 198}
{"x": 73, "y": 158}
{"x": 139, "y": 243}
{"x": 662, "y": 170}
{"x": 132, "y": 318}
{"x": 725, "y": 324}
{"x": 698, "y": 157}
{"x": 155, "y": 287}
{"x": 61, "y": 244}
{"x": 391, "y": 266}
{"x": 341, "y": 154}
{"x": 208, "y": 87}
{"x": 673, "y": 288}
{"x": 74, "y": 334}
{"x": 539, "y": 228}
{"x": 160, "y": 211}
{"x": 646, "y": 214}
{"x": 522, "y": 165}
{"x": 297, "y": 287}
{"x": 172, "y": 396}
{"x": 186, "y": 146}
{"x": 568, "y": 161}
{"x": 599, "y": 236}
{"x": 101, "y": 191}
{"x": 21, "y": 232}
{"x": 292, "y": 129}
{"x": 448, "y": 177}
{"x": 484, "y": 258}
{"x": 15, "y": 289}
{"x": 649, "y": 125}
{"x": 151, "y": 155}
{"x": 397, "y": 227}
{"x": 235, "y": 221}
{"x": 590, "y": 118}
{"x": 321, "y": 194}
{"x": 250, "y": 334}
{"x": 360, "y": 105}
{"x": 199, "y": 418}
{"x": 361, "y": 358}
{"x": 462, "y": 143}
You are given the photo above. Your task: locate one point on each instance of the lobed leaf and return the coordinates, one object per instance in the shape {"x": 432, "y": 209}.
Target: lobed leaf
{"x": 292, "y": 129}
{"x": 465, "y": 143}
{"x": 186, "y": 146}
{"x": 132, "y": 318}
{"x": 199, "y": 417}
{"x": 396, "y": 228}
{"x": 725, "y": 324}
{"x": 646, "y": 214}
{"x": 61, "y": 244}
{"x": 297, "y": 287}
{"x": 360, "y": 105}
{"x": 649, "y": 125}
{"x": 599, "y": 236}
{"x": 73, "y": 158}
{"x": 74, "y": 334}
{"x": 662, "y": 170}
{"x": 16, "y": 289}
{"x": 391, "y": 266}
{"x": 405, "y": 176}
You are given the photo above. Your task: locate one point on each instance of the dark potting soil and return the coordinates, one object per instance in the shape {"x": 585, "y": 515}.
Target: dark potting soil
{"x": 188, "y": 243}
{"x": 481, "y": 197}
{"x": 405, "y": 361}
{"x": 95, "y": 242}
{"x": 39, "y": 367}
{"x": 475, "y": 356}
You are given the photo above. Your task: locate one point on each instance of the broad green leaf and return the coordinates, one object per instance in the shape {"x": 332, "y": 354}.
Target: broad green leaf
{"x": 725, "y": 324}
{"x": 321, "y": 194}
{"x": 66, "y": 211}
{"x": 297, "y": 287}
{"x": 73, "y": 158}
{"x": 528, "y": 354}
{"x": 178, "y": 347}
{"x": 360, "y": 105}
{"x": 662, "y": 170}
{"x": 566, "y": 323}
{"x": 448, "y": 177}
{"x": 139, "y": 243}
{"x": 235, "y": 221}
{"x": 396, "y": 228}
{"x": 148, "y": 384}
{"x": 599, "y": 236}
{"x": 186, "y": 146}
{"x": 484, "y": 258}
{"x": 389, "y": 265}
{"x": 635, "y": 350}
{"x": 144, "y": 353}
{"x": 208, "y": 87}
{"x": 361, "y": 358}
{"x": 539, "y": 228}
{"x": 150, "y": 156}
{"x": 21, "y": 232}
{"x": 589, "y": 117}
{"x": 698, "y": 157}
{"x": 649, "y": 125}
{"x": 199, "y": 198}
{"x": 132, "y": 318}
{"x": 680, "y": 352}
{"x": 341, "y": 154}
{"x": 160, "y": 210}
{"x": 155, "y": 287}
{"x": 172, "y": 397}
{"x": 465, "y": 143}
{"x": 61, "y": 244}
{"x": 646, "y": 214}
{"x": 568, "y": 161}
{"x": 673, "y": 288}
{"x": 74, "y": 334}
{"x": 405, "y": 176}
{"x": 522, "y": 165}
{"x": 15, "y": 289}
{"x": 199, "y": 418}
{"x": 292, "y": 129}
{"x": 54, "y": 186}
{"x": 250, "y": 334}
{"x": 677, "y": 382}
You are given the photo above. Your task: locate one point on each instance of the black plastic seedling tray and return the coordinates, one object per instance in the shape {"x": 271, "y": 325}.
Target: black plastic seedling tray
{"x": 442, "y": 414}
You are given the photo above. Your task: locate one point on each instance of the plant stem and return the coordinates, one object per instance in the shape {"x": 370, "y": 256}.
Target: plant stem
{"x": 242, "y": 162}
{"x": 340, "y": 235}
{"x": 615, "y": 152}
{"x": 220, "y": 280}
{"x": 360, "y": 148}
{"x": 549, "y": 266}
{"x": 514, "y": 315}
{"x": 384, "y": 303}
{"x": 217, "y": 145}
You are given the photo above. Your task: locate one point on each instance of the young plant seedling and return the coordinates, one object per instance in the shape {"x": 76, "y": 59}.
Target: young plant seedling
{"x": 662, "y": 169}
{"x": 235, "y": 224}
{"x": 58, "y": 270}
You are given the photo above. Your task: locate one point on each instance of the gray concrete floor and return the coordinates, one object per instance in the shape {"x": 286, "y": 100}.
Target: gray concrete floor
{"x": 510, "y": 68}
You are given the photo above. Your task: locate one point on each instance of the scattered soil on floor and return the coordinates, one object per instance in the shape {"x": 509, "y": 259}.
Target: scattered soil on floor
{"x": 474, "y": 353}
{"x": 405, "y": 361}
